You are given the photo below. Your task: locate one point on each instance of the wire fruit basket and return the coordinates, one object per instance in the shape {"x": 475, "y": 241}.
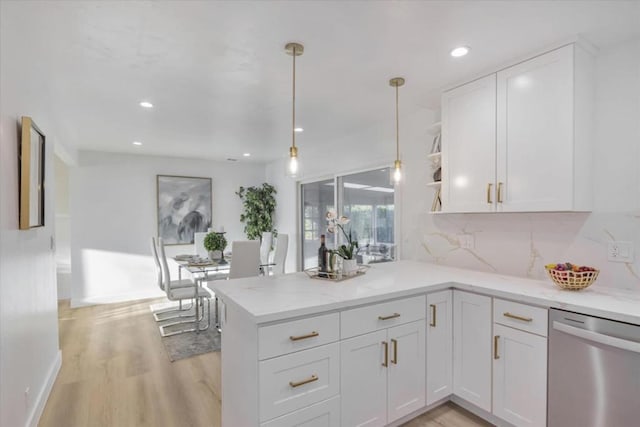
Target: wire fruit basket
{"x": 572, "y": 280}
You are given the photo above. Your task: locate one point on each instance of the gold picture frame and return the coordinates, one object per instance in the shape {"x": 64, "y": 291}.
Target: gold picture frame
{"x": 32, "y": 160}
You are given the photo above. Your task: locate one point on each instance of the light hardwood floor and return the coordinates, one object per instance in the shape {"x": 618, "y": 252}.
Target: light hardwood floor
{"x": 115, "y": 373}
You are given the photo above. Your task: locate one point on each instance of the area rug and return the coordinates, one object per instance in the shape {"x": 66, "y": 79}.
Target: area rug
{"x": 188, "y": 344}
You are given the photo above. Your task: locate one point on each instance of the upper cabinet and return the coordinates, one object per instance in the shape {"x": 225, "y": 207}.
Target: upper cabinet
{"x": 519, "y": 140}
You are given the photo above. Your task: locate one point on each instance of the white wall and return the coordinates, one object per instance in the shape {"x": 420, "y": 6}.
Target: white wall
{"x": 62, "y": 228}
{"x": 514, "y": 244}
{"x": 29, "y": 352}
{"x": 113, "y": 206}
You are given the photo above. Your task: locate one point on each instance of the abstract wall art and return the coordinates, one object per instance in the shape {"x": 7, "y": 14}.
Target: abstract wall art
{"x": 184, "y": 208}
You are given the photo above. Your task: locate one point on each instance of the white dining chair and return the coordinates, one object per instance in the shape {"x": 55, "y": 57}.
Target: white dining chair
{"x": 180, "y": 294}
{"x": 176, "y": 284}
{"x": 265, "y": 247}
{"x": 280, "y": 256}
{"x": 246, "y": 259}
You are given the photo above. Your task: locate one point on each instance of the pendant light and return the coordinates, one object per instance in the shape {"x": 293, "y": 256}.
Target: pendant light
{"x": 293, "y": 49}
{"x": 397, "y": 165}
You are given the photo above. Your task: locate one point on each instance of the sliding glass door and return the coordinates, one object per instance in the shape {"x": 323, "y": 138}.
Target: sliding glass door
{"x": 367, "y": 199}
{"x": 317, "y": 198}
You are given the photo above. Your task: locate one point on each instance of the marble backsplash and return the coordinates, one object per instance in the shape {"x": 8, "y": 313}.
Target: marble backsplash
{"x": 520, "y": 244}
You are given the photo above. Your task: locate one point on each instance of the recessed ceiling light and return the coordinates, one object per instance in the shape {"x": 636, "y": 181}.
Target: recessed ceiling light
{"x": 299, "y": 130}
{"x": 460, "y": 51}
{"x": 247, "y": 154}
{"x": 146, "y": 104}
{"x": 137, "y": 143}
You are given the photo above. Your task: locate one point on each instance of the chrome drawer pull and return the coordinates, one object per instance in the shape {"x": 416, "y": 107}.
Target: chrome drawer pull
{"x": 515, "y": 316}
{"x": 393, "y": 316}
{"x": 303, "y": 382}
{"x": 304, "y": 337}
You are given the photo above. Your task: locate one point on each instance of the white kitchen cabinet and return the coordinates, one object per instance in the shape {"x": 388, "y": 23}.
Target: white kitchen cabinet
{"x": 472, "y": 334}
{"x": 439, "y": 345}
{"x": 468, "y": 146}
{"x": 323, "y": 414}
{"x": 519, "y": 377}
{"x": 383, "y": 375}
{"x": 520, "y": 140}
{"x": 539, "y": 147}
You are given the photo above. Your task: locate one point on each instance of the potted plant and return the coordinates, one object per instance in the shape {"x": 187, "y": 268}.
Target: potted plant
{"x": 349, "y": 249}
{"x": 215, "y": 243}
{"x": 259, "y": 206}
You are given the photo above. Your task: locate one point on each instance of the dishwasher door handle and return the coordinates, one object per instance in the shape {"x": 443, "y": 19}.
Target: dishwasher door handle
{"x": 596, "y": 337}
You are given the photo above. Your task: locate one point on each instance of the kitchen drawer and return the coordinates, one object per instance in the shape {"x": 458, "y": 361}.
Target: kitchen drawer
{"x": 292, "y": 382}
{"x": 380, "y": 316}
{"x": 323, "y": 414}
{"x": 284, "y": 338}
{"x": 520, "y": 316}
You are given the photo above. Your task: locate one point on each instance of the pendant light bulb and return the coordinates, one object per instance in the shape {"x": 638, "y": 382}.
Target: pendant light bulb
{"x": 397, "y": 172}
{"x": 293, "y": 162}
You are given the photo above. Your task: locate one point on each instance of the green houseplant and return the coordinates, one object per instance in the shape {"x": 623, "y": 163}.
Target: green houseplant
{"x": 259, "y": 206}
{"x": 215, "y": 243}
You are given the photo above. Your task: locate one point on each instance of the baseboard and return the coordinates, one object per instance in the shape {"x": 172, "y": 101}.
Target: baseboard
{"x": 419, "y": 412}
{"x": 43, "y": 395}
{"x": 109, "y": 299}
{"x": 487, "y": 416}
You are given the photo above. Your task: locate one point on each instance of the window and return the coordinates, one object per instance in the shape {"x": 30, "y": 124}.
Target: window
{"x": 367, "y": 199}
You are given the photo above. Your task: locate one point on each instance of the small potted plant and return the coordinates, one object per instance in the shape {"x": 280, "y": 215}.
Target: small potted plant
{"x": 347, "y": 251}
{"x": 215, "y": 243}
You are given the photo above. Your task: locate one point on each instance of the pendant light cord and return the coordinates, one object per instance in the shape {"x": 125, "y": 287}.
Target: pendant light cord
{"x": 397, "y": 128}
{"x": 293, "y": 124}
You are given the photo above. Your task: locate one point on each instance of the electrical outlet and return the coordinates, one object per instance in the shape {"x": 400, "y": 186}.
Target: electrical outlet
{"x": 466, "y": 241}
{"x": 620, "y": 252}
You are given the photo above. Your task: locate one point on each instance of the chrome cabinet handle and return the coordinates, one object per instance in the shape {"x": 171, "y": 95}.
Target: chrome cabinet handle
{"x": 386, "y": 354}
{"x": 433, "y": 315}
{"x": 304, "y": 337}
{"x": 393, "y": 316}
{"x": 395, "y": 351}
{"x": 515, "y": 316}
{"x": 489, "y": 193}
{"x": 303, "y": 382}
{"x": 495, "y": 347}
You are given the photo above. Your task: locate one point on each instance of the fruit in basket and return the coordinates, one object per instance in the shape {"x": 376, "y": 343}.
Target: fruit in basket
{"x": 567, "y": 266}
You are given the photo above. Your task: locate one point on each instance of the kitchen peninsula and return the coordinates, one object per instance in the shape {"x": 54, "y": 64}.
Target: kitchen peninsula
{"x": 382, "y": 348}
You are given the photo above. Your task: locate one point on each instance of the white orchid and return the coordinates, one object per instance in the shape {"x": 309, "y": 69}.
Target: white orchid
{"x": 349, "y": 250}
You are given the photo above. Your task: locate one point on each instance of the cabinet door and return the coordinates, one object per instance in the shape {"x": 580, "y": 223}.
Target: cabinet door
{"x": 535, "y": 133}
{"x": 472, "y": 348}
{"x": 439, "y": 346}
{"x": 519, "y": 377}
{"x": 468, "y": 146}
{"x": 364, "y": 380}
{"x": 406, "y": 389}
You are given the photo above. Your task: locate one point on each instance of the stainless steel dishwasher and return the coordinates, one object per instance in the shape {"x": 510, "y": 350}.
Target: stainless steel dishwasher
{"x": 594, "y": 371}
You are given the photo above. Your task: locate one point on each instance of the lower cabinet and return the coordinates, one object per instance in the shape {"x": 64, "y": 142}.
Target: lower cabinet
{"x": 323, "y": 414}
{"x": 472, "y": 348}
{"x": 383, "y": 375}
{"x": 439, "y": 345}
{"x": 519, "y": 377}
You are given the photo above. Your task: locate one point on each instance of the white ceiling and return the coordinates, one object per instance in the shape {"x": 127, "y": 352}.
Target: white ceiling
{"x": 221, "y": 82}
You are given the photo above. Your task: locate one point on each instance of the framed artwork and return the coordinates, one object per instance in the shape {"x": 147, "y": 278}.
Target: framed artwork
{"x": 184, "y": 208}
{"x": 31, "y": 175}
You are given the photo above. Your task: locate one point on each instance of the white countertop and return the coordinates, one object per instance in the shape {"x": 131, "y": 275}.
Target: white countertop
{"x": 269, "y": 299}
